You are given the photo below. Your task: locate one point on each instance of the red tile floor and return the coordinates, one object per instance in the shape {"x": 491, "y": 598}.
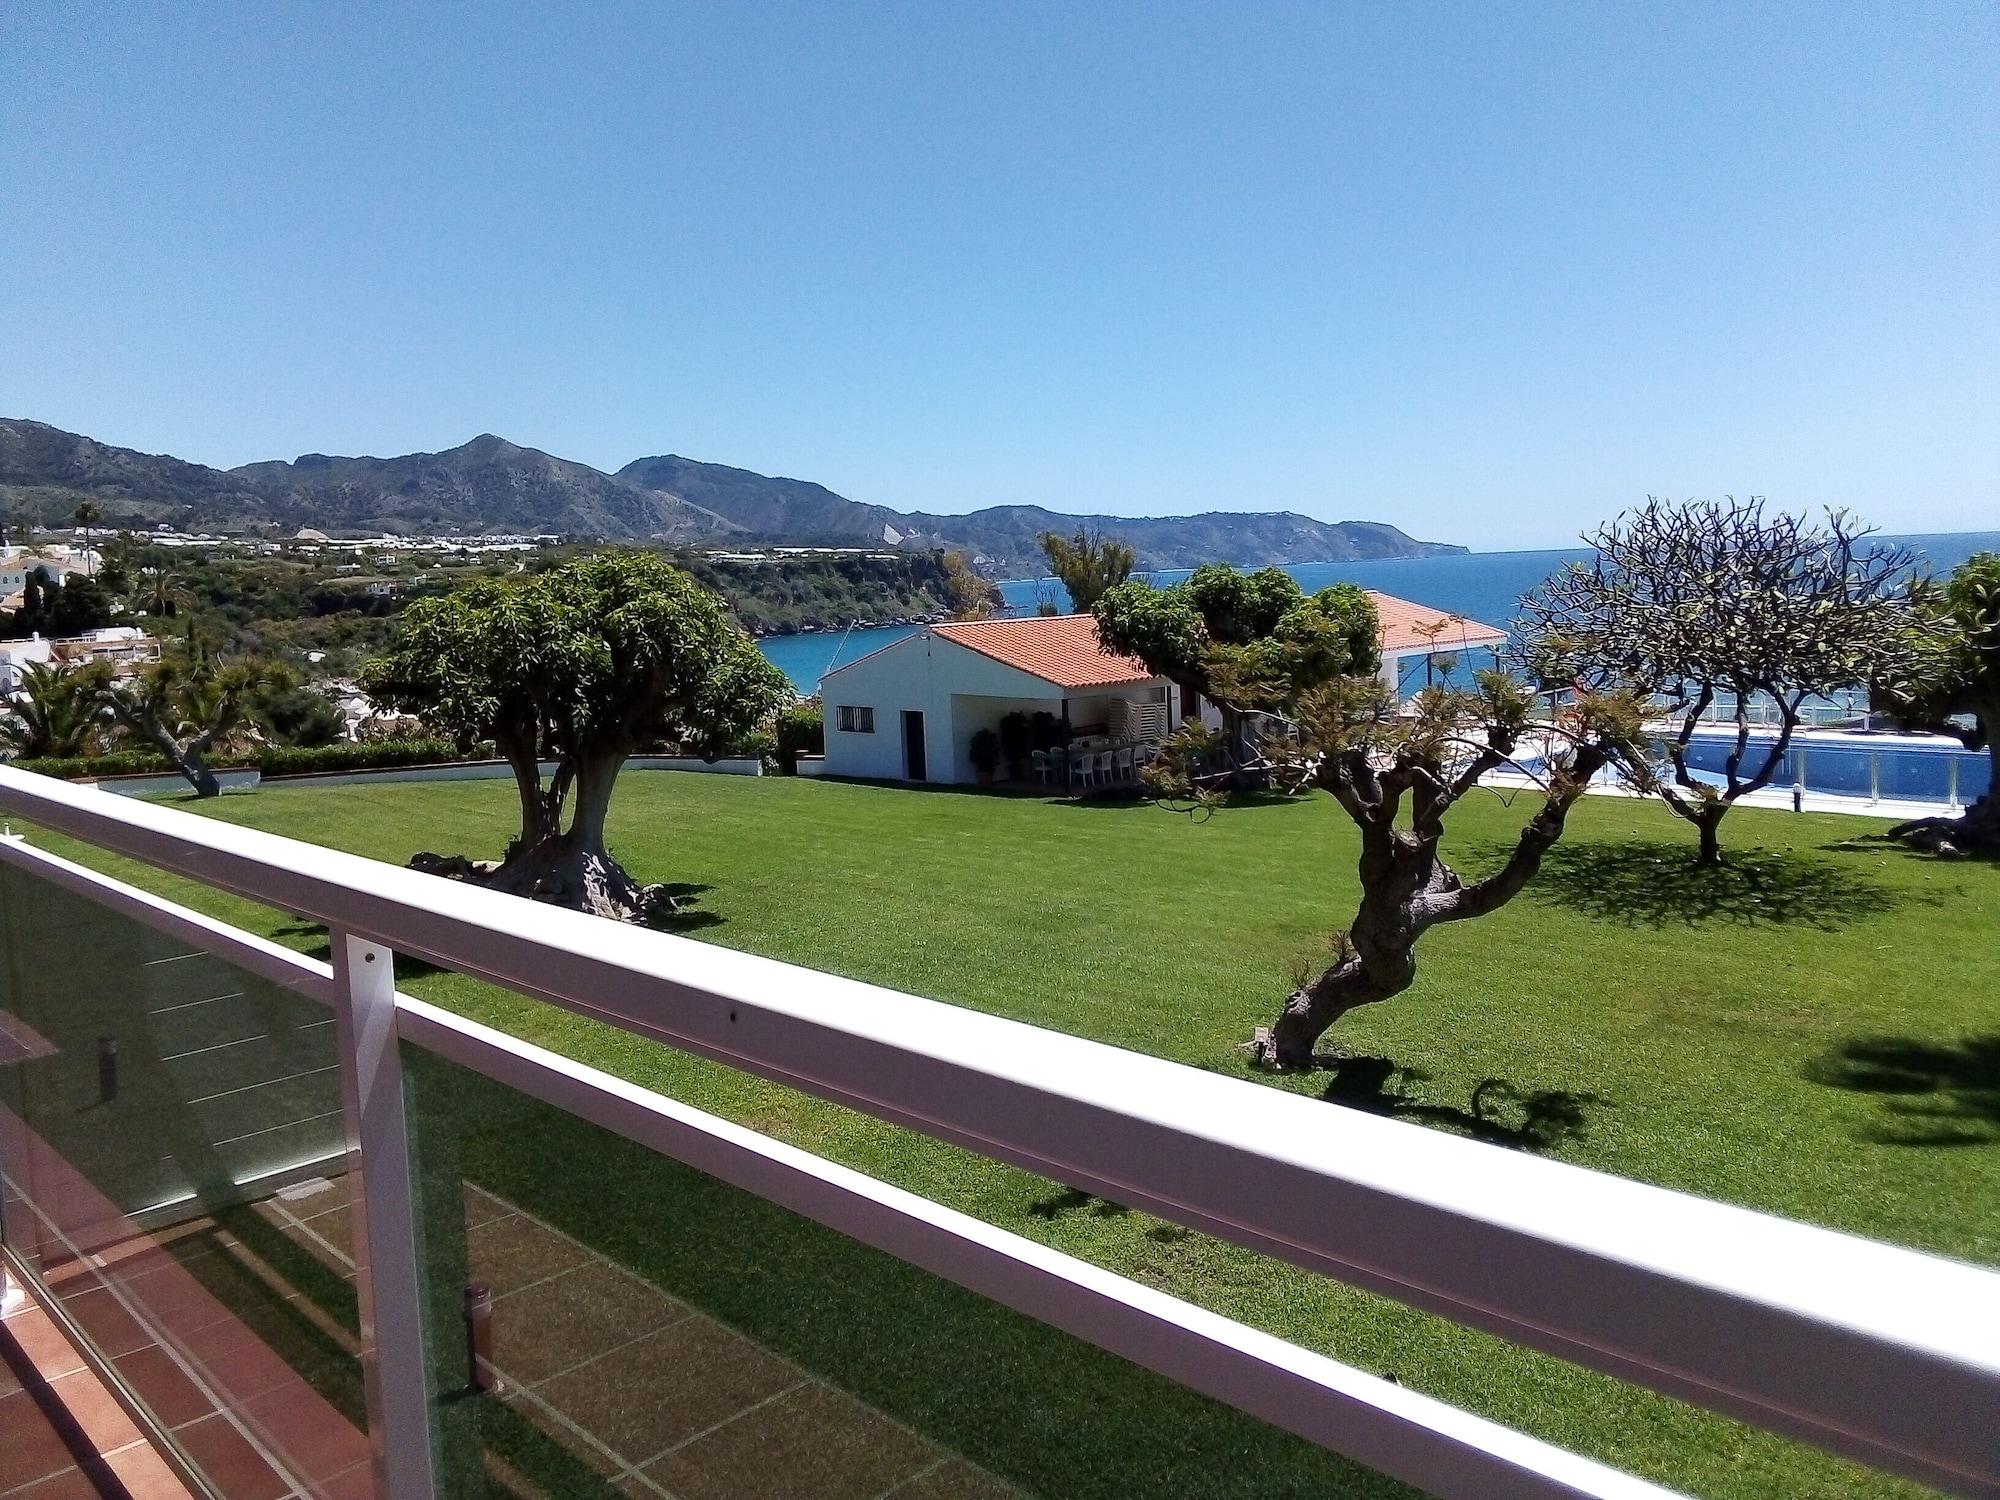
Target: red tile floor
{"x": 62, "y": 1434}
{"x": 642, "y": 1395}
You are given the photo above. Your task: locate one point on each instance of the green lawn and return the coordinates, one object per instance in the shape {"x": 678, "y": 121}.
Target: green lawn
{"x": 1814, "y": 1031}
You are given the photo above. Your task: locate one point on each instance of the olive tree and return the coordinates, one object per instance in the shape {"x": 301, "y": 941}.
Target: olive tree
{"x": 1949, "y": 683}
{"x": 581, "y": 666}
{"x": 1714, "y": 608}
{"x": 1394, "y": 770}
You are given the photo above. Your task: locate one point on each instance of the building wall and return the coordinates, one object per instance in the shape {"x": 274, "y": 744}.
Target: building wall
{"x": 16, "y": 655}
{"x": 922, "y": 673}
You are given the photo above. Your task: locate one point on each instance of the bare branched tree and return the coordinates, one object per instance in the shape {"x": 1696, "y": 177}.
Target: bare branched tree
{"x": 1715, "y": 607}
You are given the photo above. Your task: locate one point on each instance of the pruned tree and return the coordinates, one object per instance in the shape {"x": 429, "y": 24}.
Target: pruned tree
{"x": 1396, "y": 771}
{"x": 1949, "y": 683}
{"x": 583, "y": 665}
{"x": 187, "y": 710}
{"x": 1087, "y": 564}
{"x": 55, "y": 713}
{"x": 1247, "y": 642}
{"x": 1718, "y": 606}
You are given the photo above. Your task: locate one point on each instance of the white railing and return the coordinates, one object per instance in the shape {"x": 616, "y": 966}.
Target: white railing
{"x": 1879, "y": 1353}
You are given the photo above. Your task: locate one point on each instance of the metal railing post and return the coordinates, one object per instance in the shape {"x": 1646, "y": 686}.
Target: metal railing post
{"x": 389, "y": 1263}
{"x": 1951, "y": 782}
{"x": 1874, "y": 777}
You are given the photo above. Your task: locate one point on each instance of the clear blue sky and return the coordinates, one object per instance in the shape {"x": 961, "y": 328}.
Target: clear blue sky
{"x": 1490, "y": 272}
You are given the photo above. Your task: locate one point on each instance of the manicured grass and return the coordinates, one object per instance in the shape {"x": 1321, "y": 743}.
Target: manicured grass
{"x": 1811, "y": 1031}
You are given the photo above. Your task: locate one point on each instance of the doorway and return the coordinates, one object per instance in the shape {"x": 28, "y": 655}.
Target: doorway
{"x": 913, "y": 745}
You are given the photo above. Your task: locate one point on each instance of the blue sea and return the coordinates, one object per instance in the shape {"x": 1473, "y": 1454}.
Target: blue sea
{"x": 1479, "y": 585}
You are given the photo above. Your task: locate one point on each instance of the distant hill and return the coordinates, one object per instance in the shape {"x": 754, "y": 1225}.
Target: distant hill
{"x": 488, "y": 484}
{"x": 1005, "y": 537}
{"x": 46, "y": 473}
{"x": 491, "y": 485}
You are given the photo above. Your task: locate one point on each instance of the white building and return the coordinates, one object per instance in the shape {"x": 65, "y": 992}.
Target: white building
{"x": 124, "y": 646}
{"x": 1410, "y": 633}
{"x": 908, "y": 712}
{"x": 16, "y": 566}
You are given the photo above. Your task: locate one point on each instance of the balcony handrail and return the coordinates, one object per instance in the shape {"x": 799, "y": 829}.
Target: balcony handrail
{"x": 1885, "y": 1354}
{"x": 1402, "y": 1433}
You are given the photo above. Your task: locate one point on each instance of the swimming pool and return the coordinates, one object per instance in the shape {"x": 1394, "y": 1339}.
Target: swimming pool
{"x": 1897, "y": 768}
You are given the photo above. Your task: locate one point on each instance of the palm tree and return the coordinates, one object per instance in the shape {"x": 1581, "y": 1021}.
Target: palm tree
{"x": 160, "y": 594}
{"x": 186, "y": 710}
{"x": 87, "y": 516}
{"x": 56, "y": 714}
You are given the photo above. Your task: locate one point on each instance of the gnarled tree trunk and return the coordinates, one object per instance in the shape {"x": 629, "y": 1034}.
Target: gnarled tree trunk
{"x": 1974, "y": 831}
{"x": 1378, "y": 958}
{"x": 1708, "y": 806}
{"x": 1406, "y": 889}
{"x": 568, "y": 867}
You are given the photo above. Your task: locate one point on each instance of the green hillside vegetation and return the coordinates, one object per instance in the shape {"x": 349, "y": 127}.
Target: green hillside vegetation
{"x": 304, "y": 599}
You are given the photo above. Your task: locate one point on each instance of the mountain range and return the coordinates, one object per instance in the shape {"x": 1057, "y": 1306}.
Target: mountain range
{"x": 491, "y": 486}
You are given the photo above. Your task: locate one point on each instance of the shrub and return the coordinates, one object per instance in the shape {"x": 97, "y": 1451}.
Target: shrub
{"x": 1016, "y": 739}
{"x": 985, "y": 752}
{"x": 300, "y": 760}
{"x": 118, "y": 763}
{"x": 302, "y": 716}
{"x": 272, "y": 760}
{"x": 801, "y": 731}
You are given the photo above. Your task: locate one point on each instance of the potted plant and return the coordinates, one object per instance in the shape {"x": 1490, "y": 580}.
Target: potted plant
{"x": 985, "y": 755}
{"x": 1015, "y": 744}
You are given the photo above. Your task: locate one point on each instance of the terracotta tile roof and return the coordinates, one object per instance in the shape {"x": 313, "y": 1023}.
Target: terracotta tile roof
{"x": 1062, "y": 649}
{"x": 1416, "y": 627}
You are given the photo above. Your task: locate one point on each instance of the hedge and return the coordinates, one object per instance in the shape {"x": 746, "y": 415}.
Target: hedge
{"x": 271, "y": 760}
{"x": 290, "y": 760}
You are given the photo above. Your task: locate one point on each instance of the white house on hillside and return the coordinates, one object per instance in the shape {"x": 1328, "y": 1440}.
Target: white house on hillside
{"x": 908, "y": 712}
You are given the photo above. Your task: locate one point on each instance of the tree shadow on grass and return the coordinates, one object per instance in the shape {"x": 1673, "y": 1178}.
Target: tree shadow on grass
{"x": 686, "y": 916}
{"x": 1499, "y": 1113}
{"x": 1933, "y": 1094}
{"x": 1075, "y": 1201}
{"x": 408, "y": 965}
{"x": 1655, "y": 883}
{"x": 1127, "y": 798}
